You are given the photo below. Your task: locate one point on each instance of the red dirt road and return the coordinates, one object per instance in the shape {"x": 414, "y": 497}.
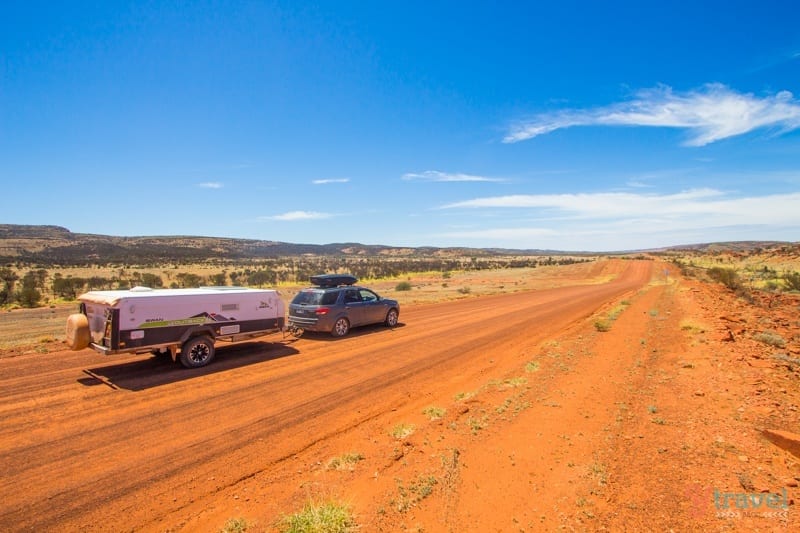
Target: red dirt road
{"x": 137, "y": 443}
{"x": 541, "y": 423}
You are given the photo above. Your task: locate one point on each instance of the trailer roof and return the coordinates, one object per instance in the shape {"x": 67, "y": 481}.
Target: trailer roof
{"x": 112, "y": 297}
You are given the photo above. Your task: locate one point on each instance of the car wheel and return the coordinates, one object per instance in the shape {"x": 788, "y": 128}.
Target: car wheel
{"x": 197, "y": 352}
{"x": 391, "y": 318}
{"x": 340, "y": 327}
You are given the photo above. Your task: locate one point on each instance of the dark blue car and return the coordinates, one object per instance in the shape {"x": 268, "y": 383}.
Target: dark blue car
{"x": 335, "y": 304}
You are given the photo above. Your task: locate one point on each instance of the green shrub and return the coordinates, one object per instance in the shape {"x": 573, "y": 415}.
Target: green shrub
{"x": 403, "y": 286}
{"x": 329, "y": 517}
{"x": 771, "y": 338}
{"x": 792, "y": 280}
{"x": 726, "y": 276}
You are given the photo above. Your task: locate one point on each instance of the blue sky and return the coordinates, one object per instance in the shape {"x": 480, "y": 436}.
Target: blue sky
{"x": 568, "y": 125}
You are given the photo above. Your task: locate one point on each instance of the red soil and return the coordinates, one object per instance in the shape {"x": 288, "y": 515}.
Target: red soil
{"x": 549, "y": 424}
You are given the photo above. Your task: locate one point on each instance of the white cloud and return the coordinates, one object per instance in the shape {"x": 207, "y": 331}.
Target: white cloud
{"x": 331, "y": 180}
{"x": 607, "y": 205}
{"x": 298, "y": 215}
{"x": 622, "y": 220}
{"x": 211, "y": 185}
{"x": 435, "y": 175}
{"x": 710, "y": 114}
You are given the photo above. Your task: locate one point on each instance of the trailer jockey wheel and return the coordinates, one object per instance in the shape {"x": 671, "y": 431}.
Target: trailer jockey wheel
{"x": 197, "y": 352}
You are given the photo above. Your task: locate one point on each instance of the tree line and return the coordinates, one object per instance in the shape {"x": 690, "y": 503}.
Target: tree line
{"x": 38, "y": 285}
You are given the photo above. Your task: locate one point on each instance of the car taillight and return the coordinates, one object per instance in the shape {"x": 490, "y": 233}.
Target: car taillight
{"x": 322, "y": 311}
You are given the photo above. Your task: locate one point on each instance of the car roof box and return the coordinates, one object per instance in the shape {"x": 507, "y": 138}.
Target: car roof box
{"x": 333, "y": 280}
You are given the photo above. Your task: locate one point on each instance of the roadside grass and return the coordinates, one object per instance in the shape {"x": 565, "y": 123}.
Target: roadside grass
{"x": 603, "y": 324}
{"x": 411, "y": 494}
{"x": 346, "y": 461}
{"x": 434, "y": 413}
{"x": 692, "y": 326}
{"x": 402, "y": 430}
{"x": 236, "y": 525}
{"x": 325, "y": 517}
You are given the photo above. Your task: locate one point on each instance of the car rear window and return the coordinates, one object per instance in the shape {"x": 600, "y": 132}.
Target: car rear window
{"x": 315, "y": 298}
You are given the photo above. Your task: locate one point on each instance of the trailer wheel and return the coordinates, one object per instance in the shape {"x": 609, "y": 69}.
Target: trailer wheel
{"x": 197, "y": 352}
{"x": 77, "y": 331}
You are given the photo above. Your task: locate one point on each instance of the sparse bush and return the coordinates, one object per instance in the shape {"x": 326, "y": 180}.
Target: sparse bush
{"x": 235, "y": 525}
{"x": 771, "y": 338}
{"x": 602, "y": 325}
{"x": 434, "y": 413}
{"x": 329, "y": 517}
{"x": 401, "y": 431}
{"x": 464, "y": 290}
{"x": 532, "y": 366}
{"x": 345, "y": 461}
{"x": 792, "y": 280}
{"x": 403, "y": 286}
{"x": 726, "y": 276}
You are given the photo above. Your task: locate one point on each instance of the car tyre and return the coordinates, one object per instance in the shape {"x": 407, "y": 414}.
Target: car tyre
{"x": 341, "y": 327}
{"x": 197, "y": 352}
{"x": 391, "y": 318}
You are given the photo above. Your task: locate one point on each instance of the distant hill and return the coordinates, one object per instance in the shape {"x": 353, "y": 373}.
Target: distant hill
{"x": 55, "y": 245}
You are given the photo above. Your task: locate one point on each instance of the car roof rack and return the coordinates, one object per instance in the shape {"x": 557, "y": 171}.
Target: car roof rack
{"x": 333, "y": 280}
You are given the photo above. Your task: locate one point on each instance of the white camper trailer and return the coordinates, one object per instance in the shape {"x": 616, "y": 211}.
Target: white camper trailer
{"x": 185, "y": 321}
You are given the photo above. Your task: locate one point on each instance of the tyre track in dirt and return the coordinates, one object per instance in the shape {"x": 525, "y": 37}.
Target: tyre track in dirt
{"x": 84, "y": 455}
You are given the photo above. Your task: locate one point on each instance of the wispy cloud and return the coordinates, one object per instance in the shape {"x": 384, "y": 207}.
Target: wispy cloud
{"x": 695, "y": 204}
{"x": 210, "y": 185}
{"x": 298, "y": 215}
{"x": 330, "y": 180}
{"x": 609, "y": 204}
{"x": 604, "y": 221}
{"x": 711, "y": 113}
{"x": 435, "y": 175}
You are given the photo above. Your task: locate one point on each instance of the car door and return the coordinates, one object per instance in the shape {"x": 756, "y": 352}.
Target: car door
{"x": 374, "y": 309}
{"x": 354, "y": 307}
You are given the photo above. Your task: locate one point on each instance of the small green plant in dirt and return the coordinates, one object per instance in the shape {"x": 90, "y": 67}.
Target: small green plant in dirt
{"x": 235, "y": 525}
{"x": 346, "y": 461}
{"x": 598, "y": 472}
{"x": 614, "y": 313}
{"x": 434, "y": 413}
{"x": 327, "y": 517}
{"x": 771, "y": 338}
{"x": 477, "y": 424}
{"x": 415, "y": 492}
{"x": 515, "y": 403}
{"x": 532, "y": 366}
{"x": 403, "y": 430}
{"x": 509, "y": 383}
{"x": 660, "y": 421}
{"x": 462, "y": 396}
{"x": 403, "y": 286}
{"x": 464, "y": 290}
{"x": 652, "y": 409}
{"x": 692, "y": 326}
{"x": 602, "y": 324}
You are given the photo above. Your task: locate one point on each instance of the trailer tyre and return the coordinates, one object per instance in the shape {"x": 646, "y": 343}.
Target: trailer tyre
{"x": 197, "y": 352}
{"x": 77, "y": 331}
